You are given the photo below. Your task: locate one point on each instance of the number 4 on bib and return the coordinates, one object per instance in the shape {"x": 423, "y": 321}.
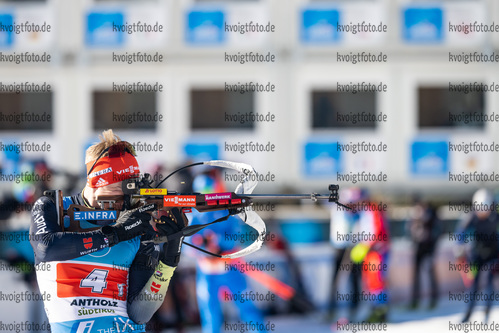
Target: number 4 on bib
{"x": 95, "y": 280}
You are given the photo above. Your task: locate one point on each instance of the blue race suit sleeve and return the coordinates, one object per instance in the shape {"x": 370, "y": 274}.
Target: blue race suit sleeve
{"x": 50, "y": 243}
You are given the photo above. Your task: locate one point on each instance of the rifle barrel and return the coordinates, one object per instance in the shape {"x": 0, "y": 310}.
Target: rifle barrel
{"x": 262, "y": 196}
{"x": 287, "y": 196}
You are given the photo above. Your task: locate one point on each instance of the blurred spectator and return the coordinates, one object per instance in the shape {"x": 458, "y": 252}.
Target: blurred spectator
{"x": 15, "y": 217}
{"x": 482, "y": 225}
{"x": 424, "y": 232}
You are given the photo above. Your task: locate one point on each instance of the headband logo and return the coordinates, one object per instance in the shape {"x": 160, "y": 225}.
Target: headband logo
{"x": 100, "y": 172}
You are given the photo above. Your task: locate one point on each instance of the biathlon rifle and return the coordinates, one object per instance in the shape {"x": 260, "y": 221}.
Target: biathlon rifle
{"x": 139, "y": 191}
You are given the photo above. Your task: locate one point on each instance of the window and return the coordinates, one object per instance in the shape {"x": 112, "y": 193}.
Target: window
{"x": 220, "y": 109}
{"x": 125, "y": 111}
{"x": 439, "y": 107}
{"x": 333, "y": 109}
{"x": 26, "y": 111}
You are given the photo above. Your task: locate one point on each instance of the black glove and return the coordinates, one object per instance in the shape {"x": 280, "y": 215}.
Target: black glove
{"x": 130, "y": 224}
{"x": 170, "y": 225}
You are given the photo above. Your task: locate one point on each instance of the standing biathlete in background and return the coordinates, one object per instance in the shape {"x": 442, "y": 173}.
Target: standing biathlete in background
{"x": 483, "y": 225}
{"x": 424, "y": 230}
{"x": 344, "y": 223}
{"x": 372, "y": 253}
{"x": 213, "y": 280}
{"x": 103, "y": 279}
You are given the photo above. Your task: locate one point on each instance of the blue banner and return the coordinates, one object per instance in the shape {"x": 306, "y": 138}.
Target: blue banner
{"x": 199, "y": 152}
{"x": 6, "y": 37}
{"x": 423, "y": 25}
{"x": 429, "y": 158}
{"x": 100, "y": 30}
{"x": 320, "y": 26}
{"x": 322, "y": 159}
{"x": 205, "y": 27}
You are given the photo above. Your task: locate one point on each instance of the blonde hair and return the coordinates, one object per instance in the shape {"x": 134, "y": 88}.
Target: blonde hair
{"x": 107, "y": 139}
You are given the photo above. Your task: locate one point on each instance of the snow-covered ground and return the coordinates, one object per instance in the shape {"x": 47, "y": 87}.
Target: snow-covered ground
{"x": 401, "y": 320}
{"x": 446, "y": 317}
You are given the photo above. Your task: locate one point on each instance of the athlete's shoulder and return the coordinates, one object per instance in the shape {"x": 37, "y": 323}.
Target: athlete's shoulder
{"x": 43, "y": 204}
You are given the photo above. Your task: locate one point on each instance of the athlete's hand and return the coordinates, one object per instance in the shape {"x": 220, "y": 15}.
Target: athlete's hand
{"x": 130, "y": 224}
{"x": 171, "y": 224}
